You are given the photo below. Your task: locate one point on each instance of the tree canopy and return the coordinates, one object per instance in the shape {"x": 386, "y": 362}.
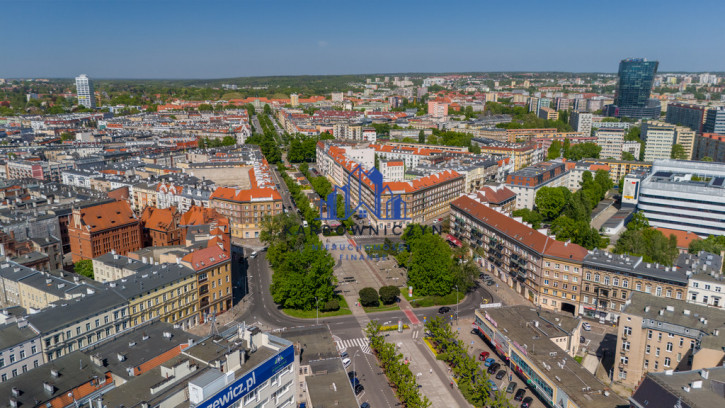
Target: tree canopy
{"x": 641, "y": 240}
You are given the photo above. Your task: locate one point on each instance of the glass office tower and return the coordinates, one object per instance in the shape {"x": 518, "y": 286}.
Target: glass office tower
{"x": 636, "y": 76}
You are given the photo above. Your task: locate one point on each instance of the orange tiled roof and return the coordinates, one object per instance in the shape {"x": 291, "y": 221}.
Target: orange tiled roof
{"x": 683, "y": 237}
{"x": 159, "y": 219}
{"x": 230, "y": 194}
{"x": 105, "y": 216}
{"x": 206, "y": 258}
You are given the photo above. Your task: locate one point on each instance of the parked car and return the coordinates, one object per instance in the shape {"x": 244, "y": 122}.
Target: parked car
{"x": 501, "y": 374}
{"x": 358, "y": 389}
{"x": 489, "y": 361}
{"x": 586, "y": 326}
{"x": 355, "y": 382}
{"x": 490, "y": 282}
{"x": 483, "y": 356}
{"x": 444, "y": 310}
{"x": 582, "y": 339}
{"x": 494, "y": 387}
{"x": 344, "y": 354}
{"x": 351, "y": 375}
{"x": 364, "y": 405}
{"x": 346, "y": 362}
{"x": 511, "y": 387}
{"x": 493, "y": 368}
{"x": 527, "y": 402}
{"x": 254, "y": 255}
{"x": 520, "y": 394}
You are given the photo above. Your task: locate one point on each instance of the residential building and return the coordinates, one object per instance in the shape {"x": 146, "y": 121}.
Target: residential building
{"x": 611, "y": 142}
{"x": 706, "y": 285}
{"x": 690, "y": 389}
{"x": 166, "y": 292}
{"x": 392, "y": 170}
{"x": 98, "y": 229}
{"x": 685, "y": 114}
{"x": 715, "y": 121}
{"x": 294, "y": 100}
{"x": 112, "y": 267}
{"x": 632, "y": 96}
{"x": 437, "y": 108}
{"x": 526, "y": 182}
{"x": 658, "y": 334}
{"x": 20, "y": 349}
{"x": 581, "y": 122}
{"x": 658, "y": 140}
{"x": 620, "y": 168}
{"x": 710, "y": 145}
{"x": 539, "y": 345}
{"x": 213, "y": 280}
{"x": 548, "y": 114}
{"x": 632, "y": 147}
{"x": 498, "y": 197}
{"x": 610, "y": 279}
{"x": 72, "y": 326}
{"x": 576, "y": 173}
{"x": 245, "y": 209}
{"x": 561, "y": 278}
{"x": 84, "y": 92}
{"x": 522, "y": 154}
{"x": 685, "y": 195}
{"x": 160, "y": 227}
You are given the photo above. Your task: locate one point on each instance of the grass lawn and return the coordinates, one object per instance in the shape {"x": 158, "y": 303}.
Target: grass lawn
{"x": 381, "y": 308}
{"x": 426, "y": 301}
{"x": 579, "y": 359}
{"x": 312, "y": 314}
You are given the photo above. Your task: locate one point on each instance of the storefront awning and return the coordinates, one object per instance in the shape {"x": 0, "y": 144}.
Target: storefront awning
{"x": 455, "y": 241}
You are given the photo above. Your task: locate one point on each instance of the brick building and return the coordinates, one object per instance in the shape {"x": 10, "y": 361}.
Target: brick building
{"x": 161, "y": 226}
{"x": 94, "y": 231}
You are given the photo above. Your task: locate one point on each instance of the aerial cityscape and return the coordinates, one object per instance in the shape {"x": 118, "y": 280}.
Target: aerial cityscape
{"x": 314, "y": 205}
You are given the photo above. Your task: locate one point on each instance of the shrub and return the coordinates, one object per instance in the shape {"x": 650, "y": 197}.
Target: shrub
{"x": 369, "y": 297}
{"x": 388, "y": 294}
{"x": 331, "y": 306}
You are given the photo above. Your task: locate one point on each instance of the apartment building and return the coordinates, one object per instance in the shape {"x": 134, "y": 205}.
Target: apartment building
{"x": 619, "y": 168}
{"x": 213, "y": 280}
{"x": 522, "y": 154}
{"x": 706, "y": 286}
{"x": 659, "y": 334}
{"x": 658, "y": 140}
{"x": 167, "y": 292}
{"x": 632, "y": 147}
{"x": 245, "y": 209}
{"x": 610, "y": 279}
{"x": 515, "y": 252}
{"x": 392, "y": 170}
{"x": 526, "y": 182}
{"x": 576, "y": 173}
{"x": 548, "y": 114}
{"x": 20, "y": 349}
{"x": 698, "y": 387}
{"x": 581, "y": 122}
{"x": 112, "y": 266}
{"x": 685, "y": 114}
{"x": 497, "y": 197}
{"x": 98, "y": 229}
{"x": 710, "y": 145}
{"x": 72, "y": 326}
{"x": 611, "y": 142}
{"x": 437, "y": 109}
{"x": 715, "y": 121}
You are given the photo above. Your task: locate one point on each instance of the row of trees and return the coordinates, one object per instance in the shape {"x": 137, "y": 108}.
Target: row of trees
{"x": 303, "y": 148}
{"x": 204, "y": 143}
{"x": 570, "y": 214}
{"x": 396, "y": 370}
{"x": 434, "y": 269}
{"x": 712, "y": 244}
{"x": 472, "y": 380}
{"x": 641, "y": 240}
{"x": 523, "y": 119}
{"x": 303, "y": 272}
{"x": 301, "y": 201}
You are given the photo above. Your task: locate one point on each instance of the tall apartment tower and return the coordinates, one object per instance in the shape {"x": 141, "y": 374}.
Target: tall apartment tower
{"x": 581, "y": 122}
{"x": 84, "y": 90}
{"x": 632, "y": 97}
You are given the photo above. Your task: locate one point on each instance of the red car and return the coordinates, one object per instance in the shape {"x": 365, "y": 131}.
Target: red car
{"x": 484, "y": 355}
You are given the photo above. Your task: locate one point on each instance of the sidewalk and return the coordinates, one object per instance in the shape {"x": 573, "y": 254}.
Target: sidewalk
{"x": 503, "y": 293}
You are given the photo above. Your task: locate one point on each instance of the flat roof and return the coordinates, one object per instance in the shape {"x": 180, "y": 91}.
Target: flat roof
{"x": 666, "y": 389}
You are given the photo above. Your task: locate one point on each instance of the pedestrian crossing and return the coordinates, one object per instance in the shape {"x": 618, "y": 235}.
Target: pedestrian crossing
{"x": 361, "y": 342}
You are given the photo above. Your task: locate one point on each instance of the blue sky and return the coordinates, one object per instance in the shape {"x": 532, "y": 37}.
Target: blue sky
{"x": 219, "y": 39}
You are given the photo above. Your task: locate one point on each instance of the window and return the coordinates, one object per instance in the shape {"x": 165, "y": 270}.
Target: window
{"x": 694, "y": 284}
{"x": 659, "y": 336}
{"x": 588, "y": 276}
{"x": 669, "y": 346}
{"x": 657, "y": 351}
{"x": 646, "y": 350}
{"x": 625, "y": 345}
{"x": 657, "y": 365}
{"x": 649, "y": 334}
{"x": 668, "y": 293}
{"x": 546, "y": 281}
{"x": 678, "y": 296}
{"x": 667, "y": 361}
{"x": 606, "y": 280}
{"x": 615, "y": 281}
{"x": 625, "y": 283}
{"x": 682, "y": 341}
{"x": 646, "y": 364}
{"x": 627, "y": 330}
{"x": 624, "y": 360}
{"x": 658, "y": 291}
{"x": 638, "y": 286}
{"x": 596, "y": 277}
{"x": 34, "y": 349}
{"x": 707, "y": 287}
{"x": 22, "y": 353}
{"x": 648, "y": 289}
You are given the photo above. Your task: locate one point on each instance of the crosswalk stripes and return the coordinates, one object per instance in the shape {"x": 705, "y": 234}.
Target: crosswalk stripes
{"x": 361, "y": 342}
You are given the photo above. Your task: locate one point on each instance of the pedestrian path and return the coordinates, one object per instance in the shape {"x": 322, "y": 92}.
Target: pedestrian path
{"x": 361, "y": 342}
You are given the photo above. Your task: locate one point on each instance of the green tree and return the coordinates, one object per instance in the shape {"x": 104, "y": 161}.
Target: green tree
{"x": 421, "y": 136}
{"x": 529, "y": 216}
{"x": 267, "y": 109}
{"x": 678, "y": 152}
{"x": 554, "y": 151}
{"x": 582, "y": 150}
{"x": 369, "y": 297}
{"x": 205, "y": 107}
{"x": 628, "y": 156}
{"x": 229, "y": 141}
{"x": 388, "y": 294}
{"x": 430, "y": 266}
{"x": 84, "y": 268}
{"x": 550, "y": 201}
{"x": 66, "y": 136}
{"x": 712, "y": 244}
{"x": 706, "y": 159}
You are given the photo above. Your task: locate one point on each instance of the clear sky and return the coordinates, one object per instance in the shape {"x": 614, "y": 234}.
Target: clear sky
{"x": 220, "y": 39}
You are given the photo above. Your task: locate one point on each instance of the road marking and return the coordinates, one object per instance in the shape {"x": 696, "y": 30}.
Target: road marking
{"x": 361, "y": 342}
{"x": 411, "y": 316}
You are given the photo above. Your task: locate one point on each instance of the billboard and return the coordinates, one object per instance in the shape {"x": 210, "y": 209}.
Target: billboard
{"x": 241, "y": 387}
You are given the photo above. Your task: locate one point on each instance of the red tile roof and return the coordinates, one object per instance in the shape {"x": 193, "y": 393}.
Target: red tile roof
{"x": 495, "y": 195}
{"x": 206, "y": 258}
{"x": 159, "y": 219}
{"x": 683, "y": 237}
{"x": 109, "y": 215}
{"x": 230, "y": 194}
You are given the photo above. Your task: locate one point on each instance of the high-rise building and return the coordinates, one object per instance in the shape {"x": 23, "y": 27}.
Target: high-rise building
{"x": 84, "y": 91}
{"x": 611, "y": 141}
{"x": 294, "y": 99}
{"x": 631, "y": 99}
{"x": 658, "y": 140}
{"x": 715, "y": 121}
{"x": 710, "y": 145}
{"x": 581, "y": 122}
{"x": 685, "y": 114}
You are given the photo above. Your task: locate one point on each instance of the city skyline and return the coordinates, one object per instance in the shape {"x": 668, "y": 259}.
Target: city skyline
{"x": 237, "y": 40}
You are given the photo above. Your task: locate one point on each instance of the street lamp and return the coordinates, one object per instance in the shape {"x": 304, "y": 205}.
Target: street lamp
{"x": 317, "y": 306}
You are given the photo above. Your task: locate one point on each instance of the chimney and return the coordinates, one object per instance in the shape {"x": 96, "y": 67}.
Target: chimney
{"x": 55, "y": 373}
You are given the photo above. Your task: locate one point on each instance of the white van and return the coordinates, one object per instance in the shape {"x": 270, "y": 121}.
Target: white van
{"x": 304, "y": 223}
{"x": 254, "y": 255}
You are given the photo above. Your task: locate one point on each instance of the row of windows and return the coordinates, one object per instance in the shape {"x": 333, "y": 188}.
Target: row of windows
{"x": 14, "y": 373}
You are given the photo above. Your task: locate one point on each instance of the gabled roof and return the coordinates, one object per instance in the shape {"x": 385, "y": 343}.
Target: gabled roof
{"x": 230, "y": 194}
{"x": 159, "y": 219}
{"x": 206, "y": 258}
{"x": 105, "y": 216}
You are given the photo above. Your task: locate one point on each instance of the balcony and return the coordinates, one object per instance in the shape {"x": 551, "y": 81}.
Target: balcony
{"x": 204, "y": 302}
